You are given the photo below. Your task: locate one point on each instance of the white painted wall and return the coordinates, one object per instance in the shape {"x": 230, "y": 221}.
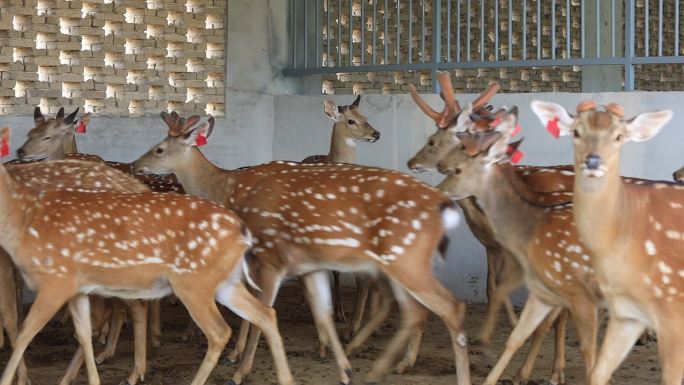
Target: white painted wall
{"x": 301, "y": 129}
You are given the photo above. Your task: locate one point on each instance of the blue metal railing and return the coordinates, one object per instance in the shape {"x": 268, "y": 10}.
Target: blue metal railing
{"x": 319, "y": 49}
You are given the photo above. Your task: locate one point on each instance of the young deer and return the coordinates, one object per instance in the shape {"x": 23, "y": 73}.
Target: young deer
{"x": 633, "y": 230}
{"x": 542, "y": 237}
{"x": 350, "y": 127}
{"x": 504, "y": 273}
{"x": 71, "y": 243}
{"x": 308, "y": 218}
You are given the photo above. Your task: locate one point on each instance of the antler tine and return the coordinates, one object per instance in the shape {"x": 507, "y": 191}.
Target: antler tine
{"x": 486, "y": 95}
{"x": 616, "y": 110}
{"x": 190, "y": 122}
{"x": 422, "y": 104}
{"x": 586, "y": 105}
{"x": 444, "y": 79}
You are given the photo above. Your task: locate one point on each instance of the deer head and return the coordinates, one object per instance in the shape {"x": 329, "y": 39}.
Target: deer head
{"x": 350, "y": 123}
{"x": 678, "y": 175}
{"x": 469, "y": 165}
{"x": 176, "y": 149}
{"x": 50, "y": 138}
{"x": 450, "y": 121}
{"x": 600, "y": 134}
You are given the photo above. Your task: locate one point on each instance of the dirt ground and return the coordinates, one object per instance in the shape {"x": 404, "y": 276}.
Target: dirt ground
{"x": 176, "y": 362}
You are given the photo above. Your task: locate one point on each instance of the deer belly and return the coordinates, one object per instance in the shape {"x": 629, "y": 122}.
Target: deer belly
{"x": 308, "y": 267}
{"x": 626, "y": 308}
{"x": 159, "y": 288}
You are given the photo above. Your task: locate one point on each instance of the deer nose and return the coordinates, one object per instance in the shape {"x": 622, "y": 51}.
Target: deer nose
{"x": 592, "y": 161}
{"x": 21, "y": 153}
{"x": 375, "y": 136}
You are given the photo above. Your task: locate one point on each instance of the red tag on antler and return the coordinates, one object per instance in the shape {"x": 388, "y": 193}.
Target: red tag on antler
{"x": 553, "y": 128}
{"x": 81, "y": 128}
{"x": 515, "y": 154}
{"x": 4, "y": 148}
{"x": 201, "y": 140}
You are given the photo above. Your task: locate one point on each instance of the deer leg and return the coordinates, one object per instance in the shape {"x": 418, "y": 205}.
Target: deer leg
{"x": 202, "y": 308}
{"x": 138, "y": 311}
{"x": 98, "y": 318}
{"x": 46, "y": 304}
{"x": 79, "y": 307}
{"x": 671, "y": 354}
{"x": 376, "y": 319}
{"x": 411, "y": 318}
{"x": 337, "y": 298}
{"x": 510, "y": 281}
{"x": 155, "y": 323}
{"x": 10, "y": 304}
{"x": 532, "y": 315}
{"x": 558, "y": 374}
{"x": 269, "y": 281}
{"x": 115, "y": 326}
{"x": 241, "y": 302}
{"x": 317, "y": 288}
{"x": 190, "y": 331}
{"x": 434, "y": 296}
{"x": 413, "y": 347}
{"x": 363, "y": 284}
{"x": 586, "y": 320}
{"x": 537, "y": 339}
{"x": 618, "y": 341}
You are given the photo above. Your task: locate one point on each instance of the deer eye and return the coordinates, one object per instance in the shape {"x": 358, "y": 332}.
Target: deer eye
{"x": 351, "y": 121}
{"x": 431, "y": 142}
{"x": 47, "y": 138}
{"x": 159, "y": 150}
{"x": 618, "y": 138}
{"x": 576, "y": 134}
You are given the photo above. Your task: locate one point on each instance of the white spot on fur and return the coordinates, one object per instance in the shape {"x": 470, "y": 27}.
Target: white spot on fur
{"x": 650, "y": 247}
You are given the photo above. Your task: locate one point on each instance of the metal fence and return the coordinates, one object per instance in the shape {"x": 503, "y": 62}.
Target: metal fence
{"x": 347, "y": 36}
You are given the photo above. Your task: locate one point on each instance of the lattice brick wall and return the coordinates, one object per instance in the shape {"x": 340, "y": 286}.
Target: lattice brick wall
{"x": 115, "y": 57}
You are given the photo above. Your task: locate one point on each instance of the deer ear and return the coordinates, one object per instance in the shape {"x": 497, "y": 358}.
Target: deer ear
{"x": 198, "y": 136}
{"x": 60, "y": 113}
{"x": 69, "y": 120}
{"x": 647, "y": 125}
{"x": 38, "y": 116}
{"x": 554, "y": 117}
{"x": 356, "y": 102}
{"x": 330, "y": 109}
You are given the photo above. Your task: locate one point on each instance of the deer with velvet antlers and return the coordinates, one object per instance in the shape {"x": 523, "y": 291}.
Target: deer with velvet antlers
{"x": 504, "y": 272}
{"x": 633, "y": 231}
{"x": 72, "y": 242}
{"x": 536, "y": 228}
{"x": 307, "y": 218}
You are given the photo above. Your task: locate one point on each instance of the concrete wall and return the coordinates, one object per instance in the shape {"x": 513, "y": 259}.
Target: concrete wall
{"x": 301, "y": 129}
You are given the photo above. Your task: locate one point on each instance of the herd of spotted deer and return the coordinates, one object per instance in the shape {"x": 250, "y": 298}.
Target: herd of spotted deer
{"x": 100, "y": 237}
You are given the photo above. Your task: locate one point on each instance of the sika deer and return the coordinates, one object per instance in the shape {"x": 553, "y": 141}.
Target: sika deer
{"x": 350, "y": 127}
{"x": 58, "y": 175}
{"x": 633, "y": 230}
{"x": 71, "y": 243}
{"x": 504, "y": 273}
{"x": 309, "y": 218}
{"x": 542, "y": 237}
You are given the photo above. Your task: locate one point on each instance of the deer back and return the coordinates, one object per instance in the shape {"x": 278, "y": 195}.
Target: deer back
{"x": 338, "y": 212}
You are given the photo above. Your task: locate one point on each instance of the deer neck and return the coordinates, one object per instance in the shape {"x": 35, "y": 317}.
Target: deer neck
{"x": 201, "y": 177}
{"x": 342, "y": 148}
{"x": 512, "y": 216}
{"x": 15, "y": 209}
{"x": 69, "y": 144}
{"x": 602, "y": 209}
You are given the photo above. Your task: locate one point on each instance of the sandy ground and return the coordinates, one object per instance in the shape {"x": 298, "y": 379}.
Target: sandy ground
{"x": 176, "y": 362}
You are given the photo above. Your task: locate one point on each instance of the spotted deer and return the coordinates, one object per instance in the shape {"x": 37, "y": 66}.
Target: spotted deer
{"x": 633, "y": 230}
{"x": 350, "y": 126}
{"x": 58, "y": 175}
{"x": 54, "y": 138}
{"x": 307, "y": 218}
{"x": 73, "y": 242}
{"x": 504, "y": 273}
{"x": 537, "y": 229}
